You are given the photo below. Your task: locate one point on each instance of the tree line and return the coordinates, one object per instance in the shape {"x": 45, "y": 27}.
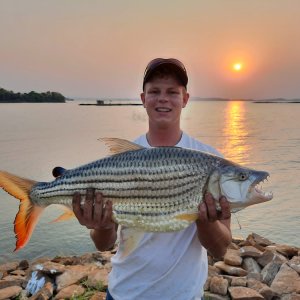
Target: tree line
{"x": 32, "y": 97}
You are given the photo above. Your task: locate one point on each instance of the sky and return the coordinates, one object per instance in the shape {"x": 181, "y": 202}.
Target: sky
{"x": 99, "y": 49}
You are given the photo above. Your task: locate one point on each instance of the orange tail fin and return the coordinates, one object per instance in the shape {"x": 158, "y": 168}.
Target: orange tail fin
{"x": 28, "y": 213}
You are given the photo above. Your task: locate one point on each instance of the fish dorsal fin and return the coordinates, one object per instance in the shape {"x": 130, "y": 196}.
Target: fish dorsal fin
{"x": 117, "y": 146}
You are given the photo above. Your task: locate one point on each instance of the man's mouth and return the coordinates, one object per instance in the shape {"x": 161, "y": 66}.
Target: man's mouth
{"x": 162, "y": 109}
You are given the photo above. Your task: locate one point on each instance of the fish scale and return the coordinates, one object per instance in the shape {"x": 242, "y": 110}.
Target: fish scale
{"x": 161, "y": 182}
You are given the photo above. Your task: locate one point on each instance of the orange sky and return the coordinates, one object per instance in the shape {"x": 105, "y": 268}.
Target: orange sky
{"x": 100, "y": 48}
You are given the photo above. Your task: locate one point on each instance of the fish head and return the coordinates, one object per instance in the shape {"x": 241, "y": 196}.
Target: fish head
{"x": 239, "y": 185}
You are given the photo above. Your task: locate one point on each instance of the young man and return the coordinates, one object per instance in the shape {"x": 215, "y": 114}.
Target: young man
{"x": 164, "y": 265}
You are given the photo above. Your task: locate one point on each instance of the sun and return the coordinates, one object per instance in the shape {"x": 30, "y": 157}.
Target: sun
{"x": 237, "y": 67}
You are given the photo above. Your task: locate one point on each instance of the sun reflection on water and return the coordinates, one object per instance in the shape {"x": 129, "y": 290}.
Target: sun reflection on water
{"x": 235, "y": 133}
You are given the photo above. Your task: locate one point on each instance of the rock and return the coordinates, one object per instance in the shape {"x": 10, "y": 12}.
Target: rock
{"x": 49, "y": 267}
{"x": 256, "y": 276}
{"x": 70, "y": 291}
{"x": 207, "y": 283}
{"x": 45, "y": 293}
{"x": 295, "y": 263}
{"x": 252, "y": 242}
{"x": 211, "y": 296}
{"x": 239, "y": 281}
{"x": 18, "y": 273}
{"x": 8, "y": 267}
{"x": 244, "y": 293}
{"x": 288, "y": 251}
{"x": 262, "y": 241}
{"x": 1, "y": 275}
{"x": 99, "y": 296}
{"x": 230, "y": 269}
{"x": 290, "y": 297}
{"x": 270, "y": 255}
{"x": 233, "y": 246}
{"x": 218, "y": 285}
{"x": 250, "y": 251}
{"x": 269, "y": 272}
{"x": 72, "y": 275}
{"x": 250, "y": 265}
{"x": 213, "y": 271}
{"x": 23, "y": 265}
{"x": 233, "y": 257}
{"x": 10, "y": 292}
{"x": 8, "y": 283}
{"x": 261, "y": 288}
{"x": 98, "y": 278}
{"x": 67, "y": 261}
{"x": 287, "y": 281}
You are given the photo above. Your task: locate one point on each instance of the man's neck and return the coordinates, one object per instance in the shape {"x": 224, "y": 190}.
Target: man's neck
{"x": 163, "y": 137}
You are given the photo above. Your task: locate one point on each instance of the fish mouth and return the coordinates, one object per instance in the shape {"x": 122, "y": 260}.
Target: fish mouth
{"x": 256, "y": 190}
{"x": 163, "y": 109}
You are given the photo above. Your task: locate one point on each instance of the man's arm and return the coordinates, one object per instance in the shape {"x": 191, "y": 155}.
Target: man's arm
{"x": 214, "y": 227}
{"x": 96, "y": 214}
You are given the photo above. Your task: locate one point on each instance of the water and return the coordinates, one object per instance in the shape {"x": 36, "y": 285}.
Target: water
{"x": 36, "y": 137}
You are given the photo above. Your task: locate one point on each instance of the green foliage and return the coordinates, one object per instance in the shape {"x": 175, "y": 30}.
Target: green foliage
{"x": 90, "y": 290}
{"x": 32, "y": 97}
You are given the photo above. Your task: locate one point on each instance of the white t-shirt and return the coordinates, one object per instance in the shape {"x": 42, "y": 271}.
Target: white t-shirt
{"x": 166, "y": 266}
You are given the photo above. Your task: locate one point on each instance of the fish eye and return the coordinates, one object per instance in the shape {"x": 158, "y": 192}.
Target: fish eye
{"x": 243, "y": 176}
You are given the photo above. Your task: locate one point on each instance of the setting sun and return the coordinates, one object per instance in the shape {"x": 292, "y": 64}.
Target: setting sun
{"x": 237, "y": 67}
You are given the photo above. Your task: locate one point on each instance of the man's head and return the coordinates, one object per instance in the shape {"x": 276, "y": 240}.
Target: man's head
{"x": 164, "y": 92}
{"x": 164, "y": 67}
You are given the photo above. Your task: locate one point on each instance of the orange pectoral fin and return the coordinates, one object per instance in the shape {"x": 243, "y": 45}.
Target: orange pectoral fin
{"x": 68, "y": 214}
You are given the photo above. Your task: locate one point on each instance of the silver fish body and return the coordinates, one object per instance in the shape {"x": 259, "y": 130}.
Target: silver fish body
{"x": 150, "y": 188}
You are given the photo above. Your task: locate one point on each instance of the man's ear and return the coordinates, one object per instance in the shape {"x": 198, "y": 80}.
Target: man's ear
{"x": 143, "y": 98}
{"x": 186, "y": 97}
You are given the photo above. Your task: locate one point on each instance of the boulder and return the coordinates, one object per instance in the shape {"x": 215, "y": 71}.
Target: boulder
{"x": 260, "y": 240}
{"x": 8, "y": 267}
{"x": 99, "y": 296}
{"x": 233, "y": 257}
{"x": 73, "y": 275}
{"x": 230, "y": 269}
{"x": 261, "y": 288}
{"x": 269, "y": 272}
{"x": 286, "y": 281}
{"x": 98, "y": 278}
{"x": 271, "y": 255}
{"x": 70, "y": 291}
{"x": 10, "y": 292}
{"x": 295, "y": 263}
{"x": 244, "y": 293}
{"x": 212, "y": 296}
{"x": 218, "y": 285}
{"x": 286, "y": 250}
{"x": 239, "y": 281}
{"x": 250, "y": 251}
{"x": 250, "y": 265}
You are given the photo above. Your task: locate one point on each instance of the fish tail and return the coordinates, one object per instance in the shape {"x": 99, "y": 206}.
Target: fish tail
{"x": 28, "y": 213}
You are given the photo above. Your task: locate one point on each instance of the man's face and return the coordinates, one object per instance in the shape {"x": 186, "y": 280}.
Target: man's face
{"x": 164, "y": 99}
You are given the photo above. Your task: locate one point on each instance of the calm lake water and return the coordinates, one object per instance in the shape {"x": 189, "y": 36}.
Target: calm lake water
{"x": 36, "y": 137}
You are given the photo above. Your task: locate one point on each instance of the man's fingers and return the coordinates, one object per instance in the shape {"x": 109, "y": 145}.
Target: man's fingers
{"x": 225, "y": 209}
{"x": 211, "y": 207}
{"x": 88, "y": 204}
{"x": 98, "y": 208}
{"x": 76, "y": 206}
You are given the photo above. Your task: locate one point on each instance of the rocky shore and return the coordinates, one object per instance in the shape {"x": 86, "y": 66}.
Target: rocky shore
{"x": 254, "y": 268}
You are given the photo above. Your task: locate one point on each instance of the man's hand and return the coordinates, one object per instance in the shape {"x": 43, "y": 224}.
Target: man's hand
{"x": 214, "y": 226}
{"x": 209, "y": 212}
{"x": 96, "y": 214}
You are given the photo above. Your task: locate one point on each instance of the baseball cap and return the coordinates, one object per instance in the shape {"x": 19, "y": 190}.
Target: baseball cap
{"x": 173, "y": 63}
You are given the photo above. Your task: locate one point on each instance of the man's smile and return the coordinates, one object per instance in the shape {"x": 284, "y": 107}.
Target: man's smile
{"x": 163, "y": 109}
